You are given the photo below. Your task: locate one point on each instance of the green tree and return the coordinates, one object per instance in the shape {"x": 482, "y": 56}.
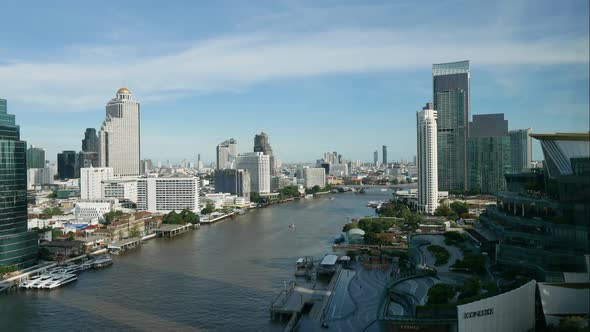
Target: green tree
{"x": 172, "y": 218}
{"x": 208, "y": 209}
{"x": 110, "y": 216}
{"x": 55, "y": 233}
{"x": 134, "y": 232}
{"x": 459, "y": 208}
{"x": 475, "y": 263}
{"x": 471, "y": 287}
{"x": 440, "y": 294}
{"x": 453, "y": 238}
{"x": 443, "y": 211}
{"x": 189, "y": 216}
{"x": 256, "y": 198}
{"x": 572, "y": 324}
{"x": 441, "y": 254}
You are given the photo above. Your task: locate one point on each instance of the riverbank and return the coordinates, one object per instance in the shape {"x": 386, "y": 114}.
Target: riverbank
{"x": 198, "y": 277}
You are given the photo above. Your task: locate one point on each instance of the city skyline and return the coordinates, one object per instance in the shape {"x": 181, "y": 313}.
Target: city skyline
{"x": 300, "y": 76}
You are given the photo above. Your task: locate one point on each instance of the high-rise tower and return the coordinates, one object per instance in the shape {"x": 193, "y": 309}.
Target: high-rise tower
{"x": 119, "y": 135}
{"x": 90, "y": 141}
{"x": 385, "y": 155}
{"x": 521, "y": 147}
{"x": 226, "y": 153}
{"x": 427, "y": 159}
{"x": 451, "y": 85}
{"x": 18, "y": 247}
{"x": 262, "y": 144}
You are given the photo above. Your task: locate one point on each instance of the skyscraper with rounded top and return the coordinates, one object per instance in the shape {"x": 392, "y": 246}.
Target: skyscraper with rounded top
{"x": 119, "y": 135}
{"x": 427, "y": 159}
{"x": 262, "y": 144}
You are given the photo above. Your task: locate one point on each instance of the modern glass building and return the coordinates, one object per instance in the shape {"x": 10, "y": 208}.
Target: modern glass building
{"x": 488, "y": 153}
{"x": 233, "y": 181}
{"x": 451, "y": 86}
{"x": 521, "y": 144}
{"x": 35, "y": 157}
{"x": 68, "y": 166}
{"x": 18, "y": 247}
{"x": 90, "y": 141}
{"x": 542, "y": 226}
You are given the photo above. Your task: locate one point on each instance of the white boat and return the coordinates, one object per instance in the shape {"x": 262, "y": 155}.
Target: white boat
{"x": 332, "y": 198}
{"x": 292, "y": 226}
{"x": 41, "y": 280}
{"x": 309, "y": 196}
{"x": 383, "y": 189}
{"x": 102, "y": 261}
{"x": 60, "y": 280}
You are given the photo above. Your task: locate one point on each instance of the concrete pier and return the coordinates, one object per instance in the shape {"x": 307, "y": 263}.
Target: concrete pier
{"x": 171, "y": 230}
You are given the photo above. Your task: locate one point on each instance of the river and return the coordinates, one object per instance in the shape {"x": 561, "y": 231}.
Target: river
{"x": 220, "y": 277}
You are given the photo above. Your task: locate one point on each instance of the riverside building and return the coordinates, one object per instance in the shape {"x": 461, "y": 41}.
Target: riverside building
{"x": 262, "y": 144}
{"x": 166, "y": 194}
{"x": 427, "y": 159}
{"x": 451, "y": 85}
{"x": 258, "y": 166}
{"x": 119, "y": 135}
{"x": 233, "y": 181}
{"x": 314, "y": 177}
{"x": 18, "y": 246}
{"x": 91, "y": 181}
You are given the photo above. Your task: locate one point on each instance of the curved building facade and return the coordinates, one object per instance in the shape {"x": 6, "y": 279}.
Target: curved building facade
{"x": 18, "y": 247}
{"x": 119, "y": 135}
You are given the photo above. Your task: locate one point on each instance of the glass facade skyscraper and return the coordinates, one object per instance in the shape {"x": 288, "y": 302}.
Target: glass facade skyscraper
{"x": 488, "y": 153}
{"x": 18, "y": 247}
{"x": 522, "y": 150}
{"x": 35, "y": 157}
{"x": 451, "y": 85}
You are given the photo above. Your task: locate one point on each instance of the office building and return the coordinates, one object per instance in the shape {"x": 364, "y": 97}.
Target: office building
{"x": 88, "y": 159}
{"x": 488, "y": 153}
{"x": 375, "y": 157}
{"x": 91, "y": 181}
{"x": 39, "y": 177}
{"x": 18, "y": 246}
{"x": 545, "y": 231}
{"x": 427, "y": 159}
{"x": 226, "y": 153}
{"x": 90, "y": 141}
{"x": 145, "y": 166}
{"x": 68, "y": 165}
{"x": 451, "y": 85}
{"x": 120, "y": 189}
{"x": 258, "y": 166}
{"x": 262, "y": 144}
{"x": 166, "y": 194}
{"x": 35, "y": 157}
{"x": 384, "y": 155}
{"x": 521, "y": 145}
{"x": 339, "y": 170}
{"x": 314, "y": 177}
{"x": 119, "y": 135}
{"x": 233, "y": 181}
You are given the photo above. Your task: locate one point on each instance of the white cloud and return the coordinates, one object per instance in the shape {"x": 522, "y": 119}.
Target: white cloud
{"x": 234, "y": 62}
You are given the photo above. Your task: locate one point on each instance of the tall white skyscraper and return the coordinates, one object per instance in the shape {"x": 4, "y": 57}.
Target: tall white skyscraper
{"x": 119, "y": 135}
{"x": 258, "y": 165}
{"x": 91, "y": 181}
{"x": 427, "y": 159}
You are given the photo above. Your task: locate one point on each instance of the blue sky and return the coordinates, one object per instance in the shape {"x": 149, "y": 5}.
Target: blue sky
{"x": 316, "y": 76}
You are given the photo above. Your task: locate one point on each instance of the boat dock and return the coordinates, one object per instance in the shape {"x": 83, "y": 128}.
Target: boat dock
{"x": 171, "y": 230}
{"x": 300, "y": 297}
{"x": 125, "y": 244}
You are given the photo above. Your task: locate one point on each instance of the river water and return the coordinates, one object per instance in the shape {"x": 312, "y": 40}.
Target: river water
{"x": 221, "y": 277}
